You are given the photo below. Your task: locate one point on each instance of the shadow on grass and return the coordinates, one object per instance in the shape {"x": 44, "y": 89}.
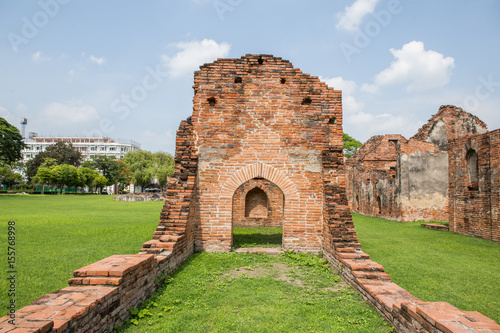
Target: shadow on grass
{"x": 257, "y": 237}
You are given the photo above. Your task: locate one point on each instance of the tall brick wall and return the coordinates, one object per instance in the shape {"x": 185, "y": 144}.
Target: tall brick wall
{"x": 407, "y": 180}
{"x": 258, "y": 117}
{"x": 475, "y": 202}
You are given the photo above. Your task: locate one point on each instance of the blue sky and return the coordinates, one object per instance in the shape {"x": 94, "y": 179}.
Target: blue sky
{"x": 124, "y": 69}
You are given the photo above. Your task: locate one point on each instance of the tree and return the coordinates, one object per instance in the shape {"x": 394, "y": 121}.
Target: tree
{"x": 46, "y": 176}
{"x": 87, "y": 176}
{"x": 65, "y": 174}
{"x": 351, "y": 145}
{"x": 62, "y": 152}
{"x": 7, "y": 176}
{"x": 110, "y": 167}
{"x": 164, "y": 167}
{"x": 11, "y": 143}
{"x": 145, "y": 166}
{"x": 100, "y": 181}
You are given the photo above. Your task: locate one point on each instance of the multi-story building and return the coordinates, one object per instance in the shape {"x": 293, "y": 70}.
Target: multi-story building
{"x": 89, "y": 147}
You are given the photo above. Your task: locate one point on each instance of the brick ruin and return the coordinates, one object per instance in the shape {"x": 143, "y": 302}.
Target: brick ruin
{"x": 407, "y": 180}
{"x": 263, "y": 147}
{"x": 474, "y": 185}
{"x": 268, "y": 135}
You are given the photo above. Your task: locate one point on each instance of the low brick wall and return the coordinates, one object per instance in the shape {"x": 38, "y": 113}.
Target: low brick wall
{"x": 405, "y": 312}
{"x": 99, "y": 296}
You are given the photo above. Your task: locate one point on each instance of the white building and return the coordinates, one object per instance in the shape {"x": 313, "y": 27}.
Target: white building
{"x": 89, "y": 147}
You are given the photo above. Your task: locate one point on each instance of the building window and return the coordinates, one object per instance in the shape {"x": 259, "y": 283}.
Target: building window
{"x": 112, "y": 148}
{"x": 93, "y": 148}
{"x": 102, "y": 148}
{"x": 472, "y": 169}
{"x": 256, "y": 204}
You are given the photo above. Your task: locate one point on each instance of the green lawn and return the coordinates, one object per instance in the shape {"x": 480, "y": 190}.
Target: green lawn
{"x": 250, "y": 292}
{"x": 252, "y": 237}
{"x": 435, "y": 265}
{"x": 56, "y": 234}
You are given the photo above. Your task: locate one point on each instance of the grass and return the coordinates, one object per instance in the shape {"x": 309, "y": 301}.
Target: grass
{"x": 57, "y": 234}
{"x": 435, "y": 265}
{"x": 252, "y": 237}
{"x": 249, "y": 292}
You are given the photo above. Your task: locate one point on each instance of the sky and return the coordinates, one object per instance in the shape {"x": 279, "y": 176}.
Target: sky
{"x": 124, "y": 69}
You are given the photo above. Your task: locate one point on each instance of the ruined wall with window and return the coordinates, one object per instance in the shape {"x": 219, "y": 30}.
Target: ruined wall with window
{"x": 371, "y": 177}
{"x": 412, "y": 183}
{"x": 474, "y": 185}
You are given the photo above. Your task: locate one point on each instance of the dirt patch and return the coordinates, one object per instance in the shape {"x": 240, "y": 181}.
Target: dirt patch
{"x": 279, "y": 272}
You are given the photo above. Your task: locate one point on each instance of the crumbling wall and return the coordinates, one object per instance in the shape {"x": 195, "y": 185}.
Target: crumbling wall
{"x": 408, "y": 180}
{"x": 175, "y": 231}
{"x": 475, "y": 189}
{"x": 371, "y": 177}
{"x": 422, "y": 182}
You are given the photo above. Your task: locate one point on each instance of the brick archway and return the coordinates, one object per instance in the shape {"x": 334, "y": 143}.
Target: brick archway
{"x": 280, "y": 179}
{"x": 259, "y": 170}
{"x": 252, "y": 193}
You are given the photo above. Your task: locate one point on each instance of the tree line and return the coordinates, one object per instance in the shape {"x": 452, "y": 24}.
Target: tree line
{"x": 61, "y": 165}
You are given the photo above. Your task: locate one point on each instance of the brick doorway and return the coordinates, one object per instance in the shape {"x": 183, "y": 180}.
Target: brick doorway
{"x": 258, "y": 207}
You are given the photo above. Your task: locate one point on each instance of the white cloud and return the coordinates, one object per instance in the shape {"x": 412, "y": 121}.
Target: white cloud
{"x": 164, "y": 141}
{"x": 37, "y": 57}
{"x": 194, "y": 54}
{"x": 68, "y": 114}
{"x": 99, "y": 61}
{"x": 353, "y": 15}
{"x": 369, "y": 88}
{"x": 363, "y": 125}
{"x": 349, "y": 103}
{"x": 4, "y": 113}
{"x": 21, "y": 107}
{"x": 416, "y": 68}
